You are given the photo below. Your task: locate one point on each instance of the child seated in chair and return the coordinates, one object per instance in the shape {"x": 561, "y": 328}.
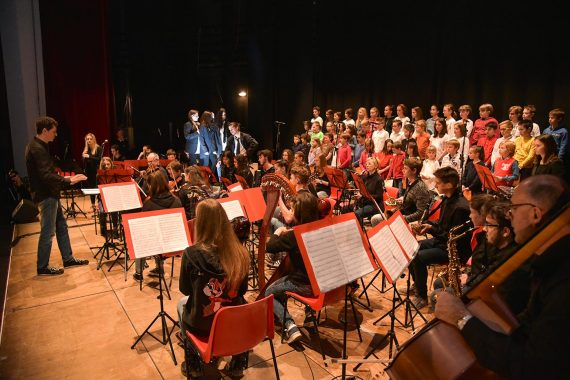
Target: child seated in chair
{"x": 213, "y": 274}
{"x": 305, "y": 210}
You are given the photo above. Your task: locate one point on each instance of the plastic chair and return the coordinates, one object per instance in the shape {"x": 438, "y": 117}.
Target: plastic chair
{"x": 255, "y": 321}
{"x": 317, "y": 303}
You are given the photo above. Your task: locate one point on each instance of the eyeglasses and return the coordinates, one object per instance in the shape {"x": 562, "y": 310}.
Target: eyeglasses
{"x": 515, "y": 205}
{"x": 491, "y": 225}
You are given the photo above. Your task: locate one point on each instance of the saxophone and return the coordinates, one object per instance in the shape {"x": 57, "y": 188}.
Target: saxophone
{"x": 451, "y": 276}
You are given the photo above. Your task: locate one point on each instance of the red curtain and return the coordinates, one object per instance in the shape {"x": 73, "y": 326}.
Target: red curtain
{"x": 76, "y": 71}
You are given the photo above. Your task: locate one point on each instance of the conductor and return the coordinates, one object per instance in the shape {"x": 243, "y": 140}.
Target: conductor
{"x": 46, "y": 186}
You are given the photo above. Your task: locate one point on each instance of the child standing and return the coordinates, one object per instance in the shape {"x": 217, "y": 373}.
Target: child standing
{"x": 506, "y": 168}
{"x": 557, "y": 131}
{"x": 396, "y": 172}
{"x": 344, "y": 152}
{"x": 431, "y": 164}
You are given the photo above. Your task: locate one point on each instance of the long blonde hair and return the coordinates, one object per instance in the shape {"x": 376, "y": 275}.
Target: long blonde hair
{"x": 213, "y": 231}
{"x": 95, "y": 146}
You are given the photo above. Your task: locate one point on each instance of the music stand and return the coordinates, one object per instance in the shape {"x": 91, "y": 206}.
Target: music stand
{"x": 337, "y": 178}
{"x": 207, "y": 174}
{"x": 70, "y": 209}
{"x": 242, "y": 181}
{"x": 488, "y": 180}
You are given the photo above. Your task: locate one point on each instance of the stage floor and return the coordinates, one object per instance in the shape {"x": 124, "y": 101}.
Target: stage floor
{"x": 82, "y": 324}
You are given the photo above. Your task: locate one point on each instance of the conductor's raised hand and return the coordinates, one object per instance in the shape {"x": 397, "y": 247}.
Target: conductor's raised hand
{"x": 77, "y": 178}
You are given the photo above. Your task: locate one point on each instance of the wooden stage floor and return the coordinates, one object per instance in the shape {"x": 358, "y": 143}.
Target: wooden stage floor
{"x": 82, "y": 324}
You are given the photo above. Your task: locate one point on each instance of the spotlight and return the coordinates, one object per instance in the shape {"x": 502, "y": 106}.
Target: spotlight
{"x": 242, "y": 93}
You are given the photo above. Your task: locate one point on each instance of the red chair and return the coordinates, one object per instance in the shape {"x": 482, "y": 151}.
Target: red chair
{"x": 317, "y": 303}
{"x": 255, "y": 321}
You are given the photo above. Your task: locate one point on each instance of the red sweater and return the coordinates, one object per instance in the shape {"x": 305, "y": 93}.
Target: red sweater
{"x": 397, "y": 167}
{"x": 479, "y": 130}
{"x": 487, "y": 144}
{"x": 344, "y": 156}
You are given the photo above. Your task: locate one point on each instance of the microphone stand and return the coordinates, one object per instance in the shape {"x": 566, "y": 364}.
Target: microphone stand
{"x": 278, "y": 138}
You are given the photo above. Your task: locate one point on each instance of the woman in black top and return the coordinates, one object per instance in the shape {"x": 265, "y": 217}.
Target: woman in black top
{"x": 375, "y": 186}
{"x": 242, "y": 168}
{"x": 213, "y": 274}
{"x": 91, "y": 158}
{"x": 546, "y": 160}
{"x": 228, "y": 167}
{"x": 470, "y": 179}
{"x": 305, "y": 210}
{"x": 159, "y": 198}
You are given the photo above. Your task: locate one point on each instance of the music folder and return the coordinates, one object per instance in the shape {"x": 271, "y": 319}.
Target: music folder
{"x": 251, "y": 200}
{"x": 120, "y": 196}
{"x": 159, "y": 232}
{"x": 335, "y": 252}
{"x": 394, "y": 245}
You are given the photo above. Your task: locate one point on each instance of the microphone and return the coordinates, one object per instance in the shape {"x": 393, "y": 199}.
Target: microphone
{"x": 279, "y": 122}
{"x": 159, "y": 132}
{"x": 105, "y": 142}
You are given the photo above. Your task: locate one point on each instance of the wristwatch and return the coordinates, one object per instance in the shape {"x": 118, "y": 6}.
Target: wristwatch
{"x": 461, "y": 322}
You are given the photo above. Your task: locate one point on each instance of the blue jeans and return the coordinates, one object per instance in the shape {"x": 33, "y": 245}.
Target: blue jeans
{"x": 52, "y": 223}
{"x": 365, "y": 212}
{"x": 278, "y": 289}
{"x": 180, "y": 308}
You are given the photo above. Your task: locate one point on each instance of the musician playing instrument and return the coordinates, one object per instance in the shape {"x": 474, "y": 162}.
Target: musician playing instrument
{"x": 454, "y": 212}
{"x": 305, "y": 210}
{"x": 416, "y": 198}
{"x": 177, "y": 180}
{"x": 537, "y": 349}
{"x": 375, "y": 186}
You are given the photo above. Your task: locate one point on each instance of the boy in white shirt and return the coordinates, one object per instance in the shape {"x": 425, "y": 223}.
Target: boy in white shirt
{"x": 397, "y": 134}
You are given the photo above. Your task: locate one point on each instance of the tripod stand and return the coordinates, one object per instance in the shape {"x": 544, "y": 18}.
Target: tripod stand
{"x": 70, "y": 209}
{"x": 163, "y": 315}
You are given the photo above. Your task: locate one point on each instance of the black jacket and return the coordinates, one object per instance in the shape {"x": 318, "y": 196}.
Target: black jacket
{"x": 44, "y": 180}
{"x": 249, "y": 144}
{"x": 202, "y": 278}
{"x": 375, "y": 186}
{"x": 454, "y": 212}
{"x": 471, "y": 178}
{"x": 161, "y": 202}
{"x": 537, "y": 349}
{"x": 287, "y": 242}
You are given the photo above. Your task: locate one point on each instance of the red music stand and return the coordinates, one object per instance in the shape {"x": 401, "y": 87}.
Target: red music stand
{"x": 114, "y": 176}
{"x": 365, "y": 193}
{"x": 242, "y": 181}
{"x": 487, "y": 178}
{"x": 226, "y": 181}
{"x": 207, "y": 174}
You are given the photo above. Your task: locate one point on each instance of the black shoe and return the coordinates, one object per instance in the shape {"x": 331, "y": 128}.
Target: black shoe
{"x": 194, "y": 373}
{"x": 236, "y": 366}
{"x": 137, "y": 276}
{"x": 73, "y": 262}
{"x": 50, "y": 271}
{"x": 292, "y": 333}
{"x": 156, "y": 272}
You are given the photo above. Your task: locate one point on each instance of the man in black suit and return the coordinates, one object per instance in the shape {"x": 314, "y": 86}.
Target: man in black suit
{"x": 241, "y": 143}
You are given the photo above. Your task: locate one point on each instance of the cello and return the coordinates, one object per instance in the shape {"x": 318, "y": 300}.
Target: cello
{"x": 439, "y": 351}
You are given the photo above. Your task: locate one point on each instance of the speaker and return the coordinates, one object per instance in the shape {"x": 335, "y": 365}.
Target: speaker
{"x": 25, "y": 212}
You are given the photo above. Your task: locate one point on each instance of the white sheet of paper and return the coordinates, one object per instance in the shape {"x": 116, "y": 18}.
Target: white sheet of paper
{"x": 405, "y": 237}
{"x": 236, "y": 188}
{"x": 121, "y": 198}
{"x": 337, "y": 255}
{"x": 154, "y": 235}
{"x": 389, "y": 253}
{"x": 233, "y": 209}
{"x": 90, "y": 191}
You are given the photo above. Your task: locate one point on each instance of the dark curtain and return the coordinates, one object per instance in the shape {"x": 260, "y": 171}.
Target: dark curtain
{"x": 76, "y": 70}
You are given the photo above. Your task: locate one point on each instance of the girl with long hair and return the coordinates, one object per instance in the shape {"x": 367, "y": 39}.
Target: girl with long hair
{"x": 213, "y": 274}
{"x": 91, "y": 158}
{"x": 546, "y": 160}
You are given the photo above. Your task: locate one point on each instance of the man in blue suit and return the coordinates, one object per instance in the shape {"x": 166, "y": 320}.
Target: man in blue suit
{"x": 210, "y": 144}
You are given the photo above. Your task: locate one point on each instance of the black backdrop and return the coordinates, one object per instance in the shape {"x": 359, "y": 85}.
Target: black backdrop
{"x": 290, "y": 55}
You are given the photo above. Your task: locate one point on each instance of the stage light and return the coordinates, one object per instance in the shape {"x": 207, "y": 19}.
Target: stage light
{"x": 242, "y": 93}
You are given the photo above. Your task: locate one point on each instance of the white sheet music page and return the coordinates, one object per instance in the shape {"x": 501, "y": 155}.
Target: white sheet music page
{"x": 325, "y": 258}
{"x": 233, "y": 209}
{"x": 352, "y": 252}
{"x": 154, "y": 235}
{"x": 405, "y": 237}
{"x": 235, "y": 188}
{"x": 121, "y": 197}
{"x": 389, "y": 253}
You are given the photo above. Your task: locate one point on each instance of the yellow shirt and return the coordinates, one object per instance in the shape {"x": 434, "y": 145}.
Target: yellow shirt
{"x": 524, "y": 152}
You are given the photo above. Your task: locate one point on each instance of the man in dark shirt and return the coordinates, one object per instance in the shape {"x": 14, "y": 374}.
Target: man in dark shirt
{"x": 454, "y": 212}
{"x": 537, "y": 348}
{"x": 241, "y": 143}
{"x": 46, "y": 186}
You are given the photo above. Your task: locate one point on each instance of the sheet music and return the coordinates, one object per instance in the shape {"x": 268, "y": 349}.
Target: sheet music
{"x": 158, "y": 234}
{"x": 325, "y": 258}
{"x": 389, "y": 252}
{"x": 233, "y": 209}
{"x": 405, "y": 237}
{"x": 349, "y": 243}
{"x": 237, "y": 187}
{"x": 337, "y": 254}
{"x": 121, "y": 198}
